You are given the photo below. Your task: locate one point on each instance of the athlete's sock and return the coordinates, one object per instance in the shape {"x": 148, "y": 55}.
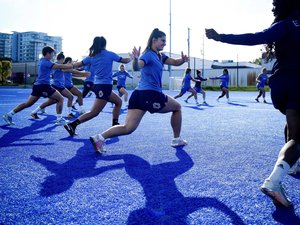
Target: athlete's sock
{"x": 11, "y": 113}
{"x": 36, "y": 110}
{"x": 115, "y": 122}
{"x": 281, "y": 169}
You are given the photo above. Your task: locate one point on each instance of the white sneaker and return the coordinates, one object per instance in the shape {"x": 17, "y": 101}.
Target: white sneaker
{"x": 61, "y": 121}
{"x": 8, "y": 119}
{"x": 276, "y": 193}
{"x": 176, "y": 142}
{"x": 97, "y": 144}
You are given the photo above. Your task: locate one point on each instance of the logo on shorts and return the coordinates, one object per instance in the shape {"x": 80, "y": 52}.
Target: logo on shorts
{"x": 45, "y": 94}
{"x": 156, "y": 105}
{"x": 296, "y": 23}
{"x": 100, "y": 94}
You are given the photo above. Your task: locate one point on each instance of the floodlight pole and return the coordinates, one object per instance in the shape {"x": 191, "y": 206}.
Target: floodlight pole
{"x": 170, "y": 52}
{"x": 188, "y": 40}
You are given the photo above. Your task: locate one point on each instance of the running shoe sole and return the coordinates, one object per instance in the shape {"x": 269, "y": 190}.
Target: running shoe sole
{"x": 271, "y": 194}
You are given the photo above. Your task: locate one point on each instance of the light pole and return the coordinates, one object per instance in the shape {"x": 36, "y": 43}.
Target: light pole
{"x": 188, "y": 40}
{"x": 170, "y": 52}
{"x": 202, "y": 53}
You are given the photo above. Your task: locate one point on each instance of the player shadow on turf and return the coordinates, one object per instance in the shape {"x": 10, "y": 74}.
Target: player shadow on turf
{"x": 194, "y": 107}
{"x": 15, "y": 136}
{"x": 236, "y": 104}
{"x": 286, "y": 216}
{"x": 82, "y": 165}
{"x": 164, "y": 202}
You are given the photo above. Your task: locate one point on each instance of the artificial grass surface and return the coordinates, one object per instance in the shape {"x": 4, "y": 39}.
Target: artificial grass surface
{"x": 47, "y": 177}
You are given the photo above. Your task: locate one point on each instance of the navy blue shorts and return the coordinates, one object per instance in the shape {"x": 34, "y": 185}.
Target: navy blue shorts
{"x": 70, "y": 87}
{"x": 184, "y": 90}
{"x": 147, "y": 100}
{"x": 285, "y": 92}
{"x": 223, "y": 87}
{"x": 119, "y": 87}
{"x": 102, "y": 91}
{"x": 88, "y": 85}
{"x": 42, "y": 90}
{"x": 60, "y": 89}
{"x": 197, "y": 89}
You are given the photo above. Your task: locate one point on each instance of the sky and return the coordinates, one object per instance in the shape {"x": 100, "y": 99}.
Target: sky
{"x": 128, "y": 23}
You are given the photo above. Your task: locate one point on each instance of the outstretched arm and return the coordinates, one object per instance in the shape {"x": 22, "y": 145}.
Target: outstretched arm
{"x": 177, "y": 62}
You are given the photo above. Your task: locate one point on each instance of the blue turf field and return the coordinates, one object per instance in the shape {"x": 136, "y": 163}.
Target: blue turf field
{"x": 47, "y": 177}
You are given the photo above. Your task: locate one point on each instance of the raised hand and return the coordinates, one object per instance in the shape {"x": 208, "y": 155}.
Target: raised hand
{"x": 212, "y": 34}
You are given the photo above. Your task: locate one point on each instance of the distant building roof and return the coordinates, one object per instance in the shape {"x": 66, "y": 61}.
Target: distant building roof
{"x": 231, "y": 64}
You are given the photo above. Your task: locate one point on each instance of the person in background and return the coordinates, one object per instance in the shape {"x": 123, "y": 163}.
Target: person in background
{"x": 186, "y": 85}
{"x": 261, "y": 82}
{"x": 122, "y": 74}
{"x": 198, "y": 87}
{"x": 224, "y": 84}
{"x": 42, "y": 87}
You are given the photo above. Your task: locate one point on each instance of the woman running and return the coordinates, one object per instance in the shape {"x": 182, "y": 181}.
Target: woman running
{"x": 186, "y": 85}
{"x": 198, "y": 87}
{"x": 224, "y": 84}
{"x": 261, "y": 82}
{"x": 42, "y": 88}
{"x": 283, "y": 36}
{"x": 101, "y": 62}
{"x": 122, "y": 74}
{"x": 148, "y": 95}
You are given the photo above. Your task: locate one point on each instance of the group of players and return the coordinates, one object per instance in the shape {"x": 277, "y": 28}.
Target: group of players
{"x": 283, "y": 36}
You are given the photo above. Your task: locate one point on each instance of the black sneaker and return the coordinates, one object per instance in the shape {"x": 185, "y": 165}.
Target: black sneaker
{"x": 35, "y": 116}
{"x": 257, "y": 100}
{"x": 73, "y": 107}
{"x": 70, "y": 129}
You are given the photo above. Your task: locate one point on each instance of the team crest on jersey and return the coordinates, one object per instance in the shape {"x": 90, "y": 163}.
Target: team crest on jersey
{"x": 156, "y": 105}
{"x": 100, "y": 94}
{"x": 296, "y": 23}
{"x": 45, "y": 94}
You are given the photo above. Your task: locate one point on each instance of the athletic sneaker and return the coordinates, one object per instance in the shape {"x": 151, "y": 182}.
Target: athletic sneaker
{"x": 61, "y": 121}
{"x": 186, "y": 101}
{"x": 71, "y": 115}
{"x": 97, "y": 144}
{"x": 276, "y": 193}
{"x": 257, "y": 100}
{"x": 176, "y": 142}
{"x": 35, "y": 116}
{"x": 204, "y": 102}
{"x": 265, "y": 101}
{"x": 70, "y": 129}
{"x": 73, "y": 107}
{"x": 8, "y": 119}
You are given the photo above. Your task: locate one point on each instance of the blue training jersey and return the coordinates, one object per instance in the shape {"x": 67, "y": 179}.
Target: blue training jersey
{"x": 58, "y": 78}
{"x": 285, "y": 34}
{"x": 224, "y": 80}
{"x": 151, "y": 73}
{"x": 187, "y": 81}
{"x": 262, "y": 80}
{"x": 101, "y": 66}
{"x": 121, "y": 75}
{"x": 44, "y": 71}
{"x": 68, "y": 79}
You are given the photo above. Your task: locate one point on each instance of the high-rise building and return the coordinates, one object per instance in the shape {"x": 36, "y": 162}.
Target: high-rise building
{"x": 5, "y": 45}
{"x": 27, "y": 46}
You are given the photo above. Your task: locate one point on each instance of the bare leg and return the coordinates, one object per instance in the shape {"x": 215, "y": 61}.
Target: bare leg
{"x": 133, "y": 119}
{"x": 176, "y": 119}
